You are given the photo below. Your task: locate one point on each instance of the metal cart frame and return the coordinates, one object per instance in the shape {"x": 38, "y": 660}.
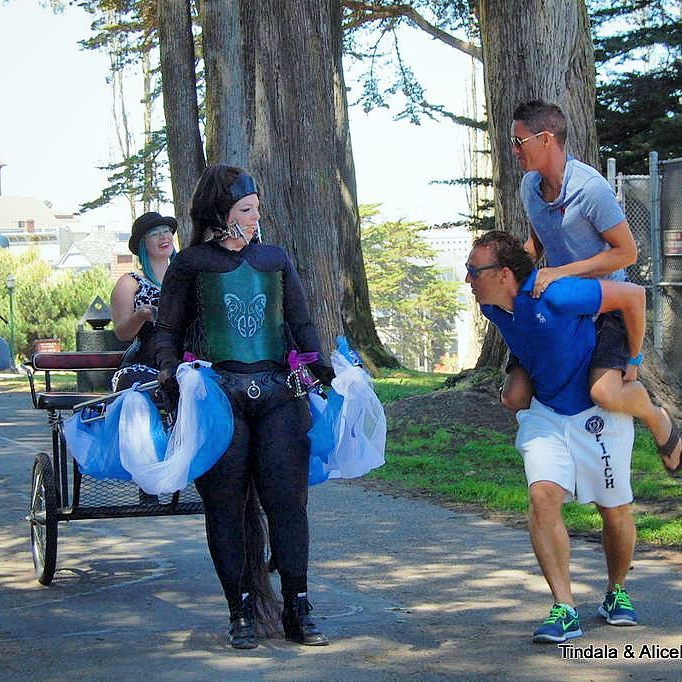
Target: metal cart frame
{"x": 59, "y": 490}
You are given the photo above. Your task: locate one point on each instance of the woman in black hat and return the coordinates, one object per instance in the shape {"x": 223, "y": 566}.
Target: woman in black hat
{"x": 135, "y": 297}
{"x": 240, "y": 304}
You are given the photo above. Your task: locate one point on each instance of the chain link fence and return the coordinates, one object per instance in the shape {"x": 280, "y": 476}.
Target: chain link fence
{"x": 654, "y": 212}
{"x": 633, "y": 196}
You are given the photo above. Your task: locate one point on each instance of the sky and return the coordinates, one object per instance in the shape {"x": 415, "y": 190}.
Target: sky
{"x": 56, "y": 126}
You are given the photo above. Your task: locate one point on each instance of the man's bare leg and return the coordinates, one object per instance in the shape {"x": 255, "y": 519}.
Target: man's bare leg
{"x": 550, "y": 539}
{"x": 618, "y": 535}
{"x": 609, "y": 391}
{"x": 618, "y": 539}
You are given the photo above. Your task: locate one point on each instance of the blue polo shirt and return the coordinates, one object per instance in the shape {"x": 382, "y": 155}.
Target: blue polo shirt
{"x": 571, "y": 227}
{"x": 553, "y": 337}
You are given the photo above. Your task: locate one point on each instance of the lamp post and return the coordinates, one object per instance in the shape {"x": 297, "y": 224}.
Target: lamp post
{"x": 11, "y": 283}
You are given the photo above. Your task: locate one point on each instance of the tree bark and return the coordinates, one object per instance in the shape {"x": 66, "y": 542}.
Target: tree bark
{"x": 534, "y": 49}
{"x": 149, "y": 166}
{"x": 663, "y": 385}
{"x": 358, "y": 323}
{"x": 185, "y": 150}
{"x": 230, "y": 80}
{"x": 269, "y": 108}
{"x": 273, "y": 89}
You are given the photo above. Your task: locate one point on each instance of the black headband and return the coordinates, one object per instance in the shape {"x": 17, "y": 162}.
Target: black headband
{"x": 243, "y": 185}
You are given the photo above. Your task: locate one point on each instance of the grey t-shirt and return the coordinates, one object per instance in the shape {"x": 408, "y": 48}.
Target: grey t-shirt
{"x": 570, "y": 228}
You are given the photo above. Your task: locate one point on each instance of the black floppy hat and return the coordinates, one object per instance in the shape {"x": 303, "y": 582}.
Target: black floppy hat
{"x": 146, "y": 222}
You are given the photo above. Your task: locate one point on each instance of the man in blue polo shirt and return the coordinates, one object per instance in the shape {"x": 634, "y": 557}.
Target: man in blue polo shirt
{"x": 570, "y": 447}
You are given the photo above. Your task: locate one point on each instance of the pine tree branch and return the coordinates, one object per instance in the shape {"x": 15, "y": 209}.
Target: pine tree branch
{"x": 367, "y": 12}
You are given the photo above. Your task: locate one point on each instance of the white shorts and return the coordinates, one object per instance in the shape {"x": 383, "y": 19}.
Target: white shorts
{"x": 587, "y": 454}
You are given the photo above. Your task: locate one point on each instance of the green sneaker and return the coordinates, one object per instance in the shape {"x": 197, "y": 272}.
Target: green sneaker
{"x": 617, "y": 608}
{"x": 562, "y": 623}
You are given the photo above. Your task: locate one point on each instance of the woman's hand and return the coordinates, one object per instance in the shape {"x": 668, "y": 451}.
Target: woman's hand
{"x": 170, "y": 388}
{"x": 147, "y": 313}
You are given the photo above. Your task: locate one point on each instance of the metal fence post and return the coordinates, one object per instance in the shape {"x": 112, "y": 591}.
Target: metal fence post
{"x": 611, "y": 172}
{"x": 656, "y": 254}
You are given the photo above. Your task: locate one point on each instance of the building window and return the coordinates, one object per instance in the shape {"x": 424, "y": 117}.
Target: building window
{"x": 124, "y": 259}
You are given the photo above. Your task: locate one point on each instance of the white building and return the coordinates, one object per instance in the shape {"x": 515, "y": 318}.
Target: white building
{"x": 452, "y": 246}
{"x": 26, "y": 223}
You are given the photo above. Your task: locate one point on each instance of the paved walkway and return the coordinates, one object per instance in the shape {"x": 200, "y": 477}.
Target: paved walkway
{"x": 405, "y": 589}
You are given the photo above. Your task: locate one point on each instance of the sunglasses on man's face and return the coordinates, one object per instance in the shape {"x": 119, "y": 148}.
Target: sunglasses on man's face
{"x": 474, "y": 271}
{"x": 520, "y": 141}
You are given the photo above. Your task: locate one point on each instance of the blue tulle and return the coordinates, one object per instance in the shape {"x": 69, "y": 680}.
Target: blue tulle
{"x": 217, "y": 419}
{"x": 200, "y": 436}
{"x": 95, "y": 445}
{"x": 348, "y": 433}
{"x": 131, "y": 442}
{"x": 349, "y": 353}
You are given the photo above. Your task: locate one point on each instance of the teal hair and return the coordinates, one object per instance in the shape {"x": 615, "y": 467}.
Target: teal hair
{"x": 147, "y": 266}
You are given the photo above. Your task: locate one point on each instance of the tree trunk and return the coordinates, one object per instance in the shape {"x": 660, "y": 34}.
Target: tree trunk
{"x": 272, "y": 75}
{"x": 534, "y": 49}
{"x": 269, "y": 108}
{"x": 358, "y": 324}
{"x": 493, "y": 349}
{"x": 149, "y": 184}
{"x": 663, "y": 385}
{"x": 185, "y": 151}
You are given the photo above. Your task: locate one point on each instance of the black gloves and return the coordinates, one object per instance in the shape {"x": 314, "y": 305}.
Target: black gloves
{"x": 324, "y": 373}
{"x": 170, "y": 390}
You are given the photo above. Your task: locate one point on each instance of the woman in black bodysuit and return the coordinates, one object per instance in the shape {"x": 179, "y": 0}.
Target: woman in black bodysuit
{"x": 240, "y": 304}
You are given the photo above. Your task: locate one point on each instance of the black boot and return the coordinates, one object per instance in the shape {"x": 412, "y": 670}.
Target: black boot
{"x": 242, "y": 634}
{"x": 298, "y": 627}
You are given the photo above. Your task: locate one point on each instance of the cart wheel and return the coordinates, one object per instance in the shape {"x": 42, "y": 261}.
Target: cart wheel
{"x": 43, "y": 519}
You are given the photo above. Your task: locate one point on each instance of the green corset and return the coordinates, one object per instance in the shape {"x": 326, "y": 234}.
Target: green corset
{"x": 242, "y": 315}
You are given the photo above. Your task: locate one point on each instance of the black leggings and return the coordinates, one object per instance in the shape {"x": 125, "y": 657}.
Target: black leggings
{"x": 270, "y": 445}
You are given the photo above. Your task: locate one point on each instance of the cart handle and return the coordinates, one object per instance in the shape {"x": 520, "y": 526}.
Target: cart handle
{"x": 110, "y": 397}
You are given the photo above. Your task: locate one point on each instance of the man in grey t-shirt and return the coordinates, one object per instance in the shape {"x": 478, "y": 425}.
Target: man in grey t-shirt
{"x": 577, "y": 224}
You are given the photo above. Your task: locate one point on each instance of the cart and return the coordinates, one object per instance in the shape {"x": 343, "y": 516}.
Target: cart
{"x": 59, "y": 490}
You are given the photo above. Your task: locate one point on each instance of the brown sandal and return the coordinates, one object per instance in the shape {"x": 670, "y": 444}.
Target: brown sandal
{"x": 667, "y": 448}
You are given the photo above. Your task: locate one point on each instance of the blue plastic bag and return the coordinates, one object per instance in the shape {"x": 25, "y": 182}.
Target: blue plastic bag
{"x": 322, "y": 434}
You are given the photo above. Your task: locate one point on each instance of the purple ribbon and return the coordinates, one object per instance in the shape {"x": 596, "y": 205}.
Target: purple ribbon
{"x": 297, "y": 360}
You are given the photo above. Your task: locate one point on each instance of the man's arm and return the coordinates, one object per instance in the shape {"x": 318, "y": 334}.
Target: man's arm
{"x": 631, "y": 300}
{"x": 623, "y": 252}
{"x": 534, "y": 246}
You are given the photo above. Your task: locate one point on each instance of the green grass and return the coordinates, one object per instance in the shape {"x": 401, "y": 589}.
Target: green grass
{"x": 465, "y": 464}
{"x": 400, "y": 384}
{"x": 60, "y": 381}
{"x": 15, "y": 382}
